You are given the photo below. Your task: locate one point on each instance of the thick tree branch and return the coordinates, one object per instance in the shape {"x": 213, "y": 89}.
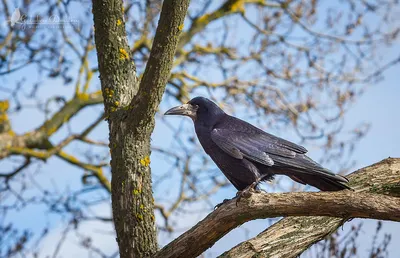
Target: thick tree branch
{"x": 345, "y": 204}
{"x": 158, "y": 68}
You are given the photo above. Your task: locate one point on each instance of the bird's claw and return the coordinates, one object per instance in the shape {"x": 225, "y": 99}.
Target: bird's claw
{"x": 246, "y": 193}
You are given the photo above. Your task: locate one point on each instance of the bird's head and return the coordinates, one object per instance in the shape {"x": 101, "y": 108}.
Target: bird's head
{"x": 199, "y": 109}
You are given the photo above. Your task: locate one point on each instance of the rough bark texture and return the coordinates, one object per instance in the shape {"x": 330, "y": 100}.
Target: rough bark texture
{"x": 291, "y": 236}
{"x": 130, "y": 108}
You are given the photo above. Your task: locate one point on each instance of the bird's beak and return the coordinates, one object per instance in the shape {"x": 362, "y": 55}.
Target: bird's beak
{"x": 184, "y": 110}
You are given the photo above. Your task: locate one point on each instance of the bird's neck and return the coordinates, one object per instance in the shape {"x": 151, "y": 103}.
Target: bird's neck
{"x": 208, "y": 123}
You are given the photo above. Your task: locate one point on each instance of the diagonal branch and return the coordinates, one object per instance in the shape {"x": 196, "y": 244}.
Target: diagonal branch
{"x": 382, "y": 178}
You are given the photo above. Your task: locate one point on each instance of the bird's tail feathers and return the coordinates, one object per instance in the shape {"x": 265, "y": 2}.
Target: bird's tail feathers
{"x": 324, "y": 182}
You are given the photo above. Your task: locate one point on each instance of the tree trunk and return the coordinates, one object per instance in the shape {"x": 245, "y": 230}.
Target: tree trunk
{"x": 130, "y": 109}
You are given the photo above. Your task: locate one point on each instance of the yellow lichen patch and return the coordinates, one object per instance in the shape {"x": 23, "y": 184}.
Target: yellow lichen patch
{"x": 25, "y": 151}
{"x": 123, "y": 54}
{"x": 181, "y": 26}
{"x": 52, "y": 130}
{"x": 203, "y": 19}
{"x": 136, "y": 191}
{"x": 112, "y": 109}
{"x": 66, "y": 118}
{"x": 3, "y": 118}
{"x": 4, "y": 105}
{"x": 109, "y": 92}
{"x": 11, "y": 133}
{"x": 238, "y": 7}
{"x": 116, "y": 103}
{"x": 145, "y": 161}
{"x": 139, "y": 216}
{"x": 72, "y": 159}
{"x": 83, "y": 96}
{"x": 141, "y": 206}
{"x": 119, "y": 22}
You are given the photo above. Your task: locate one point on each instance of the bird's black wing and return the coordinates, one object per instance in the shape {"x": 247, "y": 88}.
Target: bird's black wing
{"x": 259, "y": 147}
{"x": 255, "y": 147}
{"x": 280, "y": 145}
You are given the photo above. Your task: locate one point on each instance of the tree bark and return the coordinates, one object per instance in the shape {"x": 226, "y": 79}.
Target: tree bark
{"x": 130, "y": 108}
{"x": 291, "y": 236}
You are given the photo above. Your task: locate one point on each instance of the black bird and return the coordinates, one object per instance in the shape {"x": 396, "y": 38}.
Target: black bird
{"x": 247, "y": 155}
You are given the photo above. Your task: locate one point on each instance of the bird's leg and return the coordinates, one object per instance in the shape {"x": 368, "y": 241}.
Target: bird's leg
{"x": 245, "y": 192}
{"x": 251, "y": 188}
